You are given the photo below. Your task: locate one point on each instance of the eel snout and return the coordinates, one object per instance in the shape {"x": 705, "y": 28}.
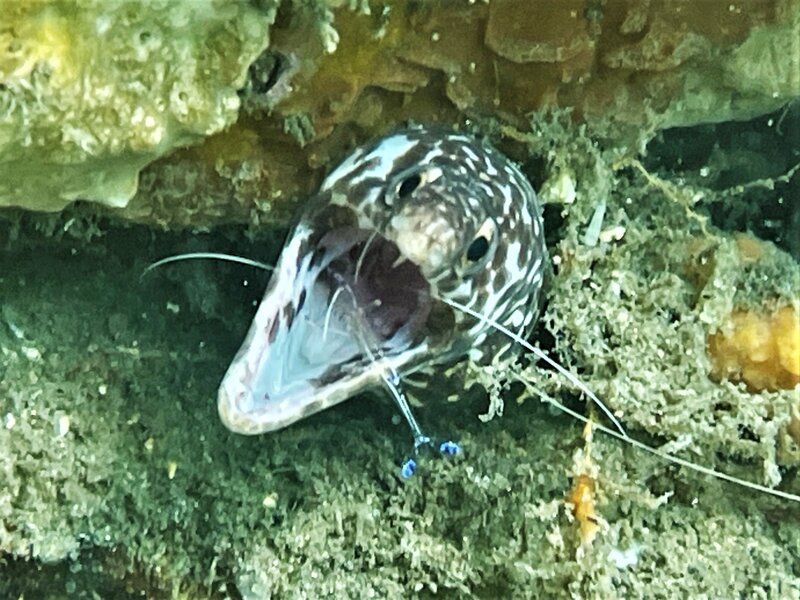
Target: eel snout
{"x": 337, "y": 315}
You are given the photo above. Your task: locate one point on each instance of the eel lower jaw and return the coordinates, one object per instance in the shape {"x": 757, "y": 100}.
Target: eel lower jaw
{"x": 337, "y": 317}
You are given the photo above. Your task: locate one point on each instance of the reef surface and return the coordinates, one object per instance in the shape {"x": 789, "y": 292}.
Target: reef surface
{"x": 676, "y": 282}
{"x": 208, "y": 112}
{"x": 118, "y": 478}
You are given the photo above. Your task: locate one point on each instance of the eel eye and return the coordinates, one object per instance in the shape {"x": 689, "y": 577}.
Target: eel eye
{"x": 477, "y": 249}
{"x": 408, "y": 185}
{"x": 480, "y": 246}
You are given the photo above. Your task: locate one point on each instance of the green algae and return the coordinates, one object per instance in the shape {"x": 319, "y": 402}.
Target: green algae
{"x": 118, "y": 478}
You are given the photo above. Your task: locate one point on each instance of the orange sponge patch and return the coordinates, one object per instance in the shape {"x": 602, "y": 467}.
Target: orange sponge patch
{"x": 761, "y": 350}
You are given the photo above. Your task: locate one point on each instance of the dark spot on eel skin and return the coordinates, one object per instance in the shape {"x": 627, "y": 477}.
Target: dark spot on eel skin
{"x": 273, "y": 331}
{"x": 288, "y": 314}
{"x": 317, "y": 257}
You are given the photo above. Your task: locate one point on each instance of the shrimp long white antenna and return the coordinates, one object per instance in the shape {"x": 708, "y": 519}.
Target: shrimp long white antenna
{"x": 391, "y": 379}
{"x": 329, "y": 312}
{"x": 539, "y": 353}
{"x": 662, "y": 455}
{"x": 363, "y": 254}
{"x": 621, "y": 435}
{"x": 212, "y": 255}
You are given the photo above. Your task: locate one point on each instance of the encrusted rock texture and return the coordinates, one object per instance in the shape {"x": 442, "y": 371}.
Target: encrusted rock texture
{"x": 673, "y": 232}
{"x": 91, "y": 93}
{"x": 96, "y": 100}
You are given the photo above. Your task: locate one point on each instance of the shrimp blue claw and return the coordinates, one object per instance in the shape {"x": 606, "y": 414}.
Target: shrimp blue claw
{"x": 449, "y": 448}
{"x": 408, "y": 468}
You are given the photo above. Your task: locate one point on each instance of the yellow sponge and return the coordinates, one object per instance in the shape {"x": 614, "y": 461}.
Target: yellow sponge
{"x": 763, "y": 350}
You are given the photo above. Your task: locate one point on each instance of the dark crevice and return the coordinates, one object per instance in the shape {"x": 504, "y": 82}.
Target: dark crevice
{"x": 730, "y": 159}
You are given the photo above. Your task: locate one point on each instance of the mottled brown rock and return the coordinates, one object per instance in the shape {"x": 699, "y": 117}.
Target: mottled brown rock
{"x": 333, "y": 78}
{"x": 92, "y": 92}
{"x": 538, "y": 31}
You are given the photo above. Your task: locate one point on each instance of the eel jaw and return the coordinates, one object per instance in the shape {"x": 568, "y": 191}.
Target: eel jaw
{"x": 338, "y": 315}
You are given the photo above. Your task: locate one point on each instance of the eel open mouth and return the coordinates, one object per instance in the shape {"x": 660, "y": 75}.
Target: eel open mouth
{"x": 336, "y": 318}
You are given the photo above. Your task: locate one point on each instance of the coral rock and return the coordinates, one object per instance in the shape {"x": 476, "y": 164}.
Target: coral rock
{"x": 89, "y": 95}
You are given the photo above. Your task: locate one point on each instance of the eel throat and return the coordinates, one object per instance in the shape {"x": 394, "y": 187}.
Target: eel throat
{"x": 333, "y": 321}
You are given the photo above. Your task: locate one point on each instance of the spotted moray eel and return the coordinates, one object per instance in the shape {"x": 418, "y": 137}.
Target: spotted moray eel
{"x": 402, "y": 225}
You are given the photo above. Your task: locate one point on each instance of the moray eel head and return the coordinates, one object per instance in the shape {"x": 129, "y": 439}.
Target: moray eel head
{"x": 414, "y": 217}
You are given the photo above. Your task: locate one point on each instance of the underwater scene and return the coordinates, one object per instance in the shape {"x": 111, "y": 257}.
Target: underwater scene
{"x": 399, "y": 299}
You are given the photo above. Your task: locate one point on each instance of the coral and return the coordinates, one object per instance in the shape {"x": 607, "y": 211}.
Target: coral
{"x": 91, "y": 92}
{"x": 632, "y": 304}
{"x": 633, "y": 67}
{"x": 91, "y": 108}
{"x": 117, "y": 479}
{"x": 763, "y": 350}
{"x": 606, "y": 60}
